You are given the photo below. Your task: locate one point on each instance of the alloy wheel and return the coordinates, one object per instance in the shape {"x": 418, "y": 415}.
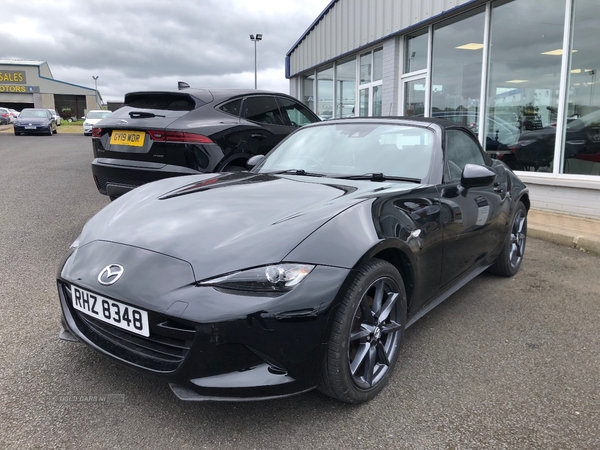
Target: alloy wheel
{"x": 517, "y": 239}
{"x": 375, "y": 334}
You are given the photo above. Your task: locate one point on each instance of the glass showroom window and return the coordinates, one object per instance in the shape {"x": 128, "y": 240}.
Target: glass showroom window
{"x": 325, "y": 93}
{"x": 456, "y": 68}
{"x": 345, "y": 82}
{"x": 308, "y": 92}
{"x": 416, "y": 51}
{"x": 371, "y": 76}
{"x": 582, "y": 140}
{"x": 524, "y": 80}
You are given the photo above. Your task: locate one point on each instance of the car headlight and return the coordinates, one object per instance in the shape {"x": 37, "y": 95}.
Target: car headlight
{"x": 272, "y": 278}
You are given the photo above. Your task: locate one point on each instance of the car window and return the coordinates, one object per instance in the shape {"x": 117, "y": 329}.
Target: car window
{"x": 461, "y": 149}
{"x": 356, "y": 149}
{"x": 232, "y": 107}
{"x": 297, "y": 114}
{"x": 97, "y": 114}
{"x": 35, "y": 113}
{"x": 263, "y": 109}
{"x": 161, "y": 101}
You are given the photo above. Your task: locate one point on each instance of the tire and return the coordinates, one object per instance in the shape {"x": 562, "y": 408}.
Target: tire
{"x": 366, "y": 335}
{"x": 50, "y": 133}
{"x": 509, "y": 260}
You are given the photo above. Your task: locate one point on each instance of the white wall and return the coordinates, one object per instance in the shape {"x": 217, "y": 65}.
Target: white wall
{"x": 575, "y": 201}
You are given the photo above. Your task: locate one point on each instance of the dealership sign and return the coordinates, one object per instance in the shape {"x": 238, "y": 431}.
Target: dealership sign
{"x": 13, "y": 82}
{"x": 12, "y": 76}
{"x": 12, "y": 89}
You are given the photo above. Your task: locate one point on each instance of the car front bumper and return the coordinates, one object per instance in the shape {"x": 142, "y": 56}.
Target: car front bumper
{"x": 33, "y": 129}
{"x": 215, "y": 345}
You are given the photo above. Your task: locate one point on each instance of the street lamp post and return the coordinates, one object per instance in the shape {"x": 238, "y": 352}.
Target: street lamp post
{"x": 95, "y": 77}
{"x": 255, "y": 39}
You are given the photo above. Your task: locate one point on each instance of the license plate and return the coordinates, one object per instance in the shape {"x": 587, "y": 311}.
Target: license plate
{"x": 110, "y": 311}
{"x": 30, "y": 128}
{"x": 131, "y": 138}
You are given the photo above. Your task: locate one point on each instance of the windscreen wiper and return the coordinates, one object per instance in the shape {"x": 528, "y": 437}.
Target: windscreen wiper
{"x": 297, "y": 172}
{"x": 378, "y": 176}
{"x": 143, "y": 115}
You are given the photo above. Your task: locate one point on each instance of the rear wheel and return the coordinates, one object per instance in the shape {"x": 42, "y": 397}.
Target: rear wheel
{"x": 366, "y": 335}
{"x": 509, "y": 260}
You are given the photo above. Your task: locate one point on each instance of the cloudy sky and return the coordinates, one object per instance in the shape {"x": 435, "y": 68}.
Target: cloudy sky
{"x": 151, "y": 44}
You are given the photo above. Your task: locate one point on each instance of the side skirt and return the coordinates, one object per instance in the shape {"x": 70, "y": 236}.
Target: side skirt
{"x": 447, "y": 293}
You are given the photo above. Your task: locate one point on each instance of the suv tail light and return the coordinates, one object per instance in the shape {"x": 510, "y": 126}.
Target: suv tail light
{"x": 97, "y": 132}
{"x": 179, "y": 136}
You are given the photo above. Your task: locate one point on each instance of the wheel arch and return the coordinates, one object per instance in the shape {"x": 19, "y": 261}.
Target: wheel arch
{"x": 399, "y": 258}
{"x": 525, "y": 199}
{"x": 236, "y": 159}
{"x": 388, "y": 251}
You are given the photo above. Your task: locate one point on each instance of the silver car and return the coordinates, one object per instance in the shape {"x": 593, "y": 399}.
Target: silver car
{"x": 93, "y": 117}
{"x": 55, "y": 116}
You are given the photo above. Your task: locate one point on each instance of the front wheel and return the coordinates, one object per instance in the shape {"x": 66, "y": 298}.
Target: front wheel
{"x": 509, "y": 260}
{"x": 366, "y": 335}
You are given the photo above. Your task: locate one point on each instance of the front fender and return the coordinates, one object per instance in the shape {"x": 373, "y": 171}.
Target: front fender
{"x": 347, "y": 240}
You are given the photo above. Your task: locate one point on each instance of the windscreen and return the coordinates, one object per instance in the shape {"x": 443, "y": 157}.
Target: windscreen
{"x": 355, "y": 149}
{"x": 33, "y": 113}
{"x": 97, "y": 114}
{"x": 164, "y": 101}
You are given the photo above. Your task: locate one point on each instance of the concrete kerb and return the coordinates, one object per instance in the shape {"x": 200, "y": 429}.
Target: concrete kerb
{"x": 582, "y": 243}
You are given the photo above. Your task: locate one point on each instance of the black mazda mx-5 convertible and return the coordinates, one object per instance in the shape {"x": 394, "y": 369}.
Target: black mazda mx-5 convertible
{"x": 303, "y": 272}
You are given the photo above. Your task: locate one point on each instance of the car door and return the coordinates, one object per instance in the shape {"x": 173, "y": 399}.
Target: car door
{"x": 473, "y": 220}
{"x": 268, "y": 126}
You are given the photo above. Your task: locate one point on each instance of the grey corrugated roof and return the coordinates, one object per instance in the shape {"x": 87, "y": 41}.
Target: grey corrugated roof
{"x": 312, "y": 25}
{"x": 21, "y": 62}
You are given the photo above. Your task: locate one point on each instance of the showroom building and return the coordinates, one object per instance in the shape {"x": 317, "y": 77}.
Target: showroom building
{"x": 30, "y": 84}
{"x": 522, "y": 74}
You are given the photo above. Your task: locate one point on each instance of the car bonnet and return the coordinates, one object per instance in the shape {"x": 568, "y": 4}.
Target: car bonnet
{"x": 222, "y": 222}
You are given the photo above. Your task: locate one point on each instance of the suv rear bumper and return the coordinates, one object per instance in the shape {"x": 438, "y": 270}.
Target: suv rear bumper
{"x": 116, "y": 177}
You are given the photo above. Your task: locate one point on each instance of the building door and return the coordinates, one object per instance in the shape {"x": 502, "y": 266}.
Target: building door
{"x": 414, "y": 91}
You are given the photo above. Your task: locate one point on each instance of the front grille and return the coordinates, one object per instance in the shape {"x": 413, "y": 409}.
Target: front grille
{"x": 163, "y": 351}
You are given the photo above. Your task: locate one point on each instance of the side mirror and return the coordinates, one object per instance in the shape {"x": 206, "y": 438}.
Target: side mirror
{"x": 474, "y": 175}
{"x": 255, "y": 160}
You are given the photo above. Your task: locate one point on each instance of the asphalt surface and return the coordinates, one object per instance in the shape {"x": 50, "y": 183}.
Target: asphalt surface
{"x": 504, "y": 363}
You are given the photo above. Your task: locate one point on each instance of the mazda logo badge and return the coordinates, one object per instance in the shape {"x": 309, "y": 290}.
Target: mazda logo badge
{"x": 110, "y": 274}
